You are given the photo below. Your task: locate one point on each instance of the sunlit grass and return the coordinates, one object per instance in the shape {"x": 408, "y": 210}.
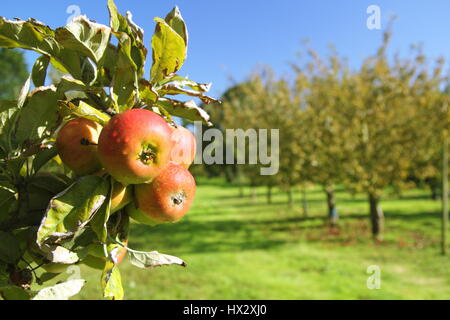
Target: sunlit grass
{"x": 237, "y": 248}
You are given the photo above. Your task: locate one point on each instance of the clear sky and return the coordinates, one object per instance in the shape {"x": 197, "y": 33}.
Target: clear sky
{"x": 228, "y": 38}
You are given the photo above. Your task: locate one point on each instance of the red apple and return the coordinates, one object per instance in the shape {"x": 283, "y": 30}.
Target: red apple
{"x": 77, "y": 145}
{"x": 166, "y": 199}
{"x": 183, "y": 148}
{"x": 135, "y": 146}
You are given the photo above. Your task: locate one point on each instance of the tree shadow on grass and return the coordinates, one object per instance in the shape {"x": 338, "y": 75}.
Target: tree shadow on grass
{"x": 191, "y": 236}
{"x": 222, "y": 233}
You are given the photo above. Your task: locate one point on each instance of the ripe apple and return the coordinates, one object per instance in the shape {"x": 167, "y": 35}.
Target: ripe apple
{"x": 135, "y": 146}
{"x": 183, "y": 148}
{"x": 77, "y": 145}
{"x": 166, "y": 199}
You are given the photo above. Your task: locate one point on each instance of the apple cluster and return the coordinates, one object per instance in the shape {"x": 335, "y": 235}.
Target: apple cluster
{"x": 147, "y": 158}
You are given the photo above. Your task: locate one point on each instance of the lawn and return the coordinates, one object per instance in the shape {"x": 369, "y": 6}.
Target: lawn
{"x": 239, "y": 248}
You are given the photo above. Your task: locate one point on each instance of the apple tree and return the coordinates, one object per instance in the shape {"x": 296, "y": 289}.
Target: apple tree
{"x": 52, "y": 218}
{"x": 385, "y": 134}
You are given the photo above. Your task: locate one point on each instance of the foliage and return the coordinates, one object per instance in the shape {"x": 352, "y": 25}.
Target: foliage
{"x": 376, "y": 127}
{"x": 52, "y": 219}
{"x": 13, "y": 73}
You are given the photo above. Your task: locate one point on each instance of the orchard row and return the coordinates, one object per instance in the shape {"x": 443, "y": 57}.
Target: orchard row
{"x": 378, "y": 126}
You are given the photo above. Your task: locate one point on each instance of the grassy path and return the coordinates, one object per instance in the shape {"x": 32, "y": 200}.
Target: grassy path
{"x": 240, "y": 249}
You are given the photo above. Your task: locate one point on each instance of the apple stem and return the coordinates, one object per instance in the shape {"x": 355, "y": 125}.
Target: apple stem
{"x": 178, "y": 199}
{"x": 147, "y": 156}
{"x": 86, "y": 142}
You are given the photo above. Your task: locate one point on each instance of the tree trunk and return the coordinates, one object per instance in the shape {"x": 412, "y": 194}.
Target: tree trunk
{"x": 254, "y": 194}
{"x": 269, "y": 194}
{"x": 304, "y": 202}
{"x": 376, "y": 217}
{"x": 444, "y": 196}
{"x": 228, "y": 175}
{"x": 333, "y": 216}
{"x": 434, "y": 192}
{"x": 290, "y": 197}
{"x": 241, "y": 185}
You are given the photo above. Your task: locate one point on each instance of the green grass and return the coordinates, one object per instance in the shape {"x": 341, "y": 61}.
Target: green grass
{"x": 237, "y": 248}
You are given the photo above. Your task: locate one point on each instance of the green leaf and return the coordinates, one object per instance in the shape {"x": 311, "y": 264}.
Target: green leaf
{"x": 38, "y": 118}
{"x": 114, "y": 252}
{"x": 152, "y": 259}
{"x": 47, "y": 276}
{"x": 121, "y": 24}
{"x": 175, "y": 20}
{"x": 43, "y": 157}
{"x": 9, "y": 112}
{"x": 125, "y": 64}
{"x": 4, "y": 276}
{"x": 72, "y": 209}
{"x": 34, "y": 35}
{"x": 24, "y": 92}
{"x": 117, "y": 22}
{"x": 147, "y": 93}
{"x": 31, "y": 35}
{"x": 84, "y": 110}
{"x": 187, "y": 110}
{"x": 40, "y": 189}
{"x": 39, "y": 71}
{"x": 177, "y": 87}
{"x": 89, "y": 72}
{"x": 184, "y": 82}
{"x": 50, "y": 182}
{"x": 169, "y": 51}
{"x": 58, "y": 254}
{"x": 8, "y": 196}
{"x": 100, "y": 219}
{"x": 86, "y": 37}
{"x": 15, "y": 293}
{"x": 125, "y": 89}
{"x": 70, "y": 88}
{"x": 61, "y": 291}
{"x": 9, "y": 248}
{"x": 111, "y": 282}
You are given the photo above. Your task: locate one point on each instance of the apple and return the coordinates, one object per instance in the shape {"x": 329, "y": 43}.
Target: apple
{"x": 77, "y": 145}
{"x": 121, "y": 196}
{"x": 135, "y": 146}
{"x": 183, "y": 147}
{"x": 166, "y": 199}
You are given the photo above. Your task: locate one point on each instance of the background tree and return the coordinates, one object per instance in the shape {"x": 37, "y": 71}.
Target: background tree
{"x": 327, "y": 136}
{"x": 384, "y": 131}
{"x": 13, "y": 73}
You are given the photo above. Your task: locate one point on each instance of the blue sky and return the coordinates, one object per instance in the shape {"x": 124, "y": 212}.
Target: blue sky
{"x": 228, "y": 38}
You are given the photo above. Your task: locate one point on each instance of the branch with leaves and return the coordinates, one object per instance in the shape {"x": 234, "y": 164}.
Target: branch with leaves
{"x": 48, "y": 215}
